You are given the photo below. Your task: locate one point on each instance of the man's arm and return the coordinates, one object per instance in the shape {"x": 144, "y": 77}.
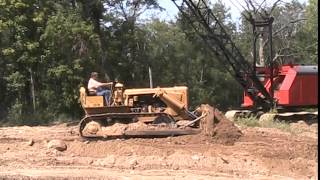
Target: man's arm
{"x": 94, "y": 84}
{"x": 106, "y": 84}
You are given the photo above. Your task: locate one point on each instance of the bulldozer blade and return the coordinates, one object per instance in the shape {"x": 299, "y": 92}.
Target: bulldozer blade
{"x": 174, "y": 132}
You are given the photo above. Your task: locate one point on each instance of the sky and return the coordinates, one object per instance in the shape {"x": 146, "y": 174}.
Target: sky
{"x": 234, "y": 5}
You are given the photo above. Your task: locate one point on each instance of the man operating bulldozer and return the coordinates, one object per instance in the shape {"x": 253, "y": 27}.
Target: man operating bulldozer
{"x": 97, "y": 88}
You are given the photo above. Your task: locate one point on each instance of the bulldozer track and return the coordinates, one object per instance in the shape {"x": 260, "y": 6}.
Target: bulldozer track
{"x": 131, "y": 133}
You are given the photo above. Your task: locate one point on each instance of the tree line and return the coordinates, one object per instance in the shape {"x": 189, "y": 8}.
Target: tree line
{"x": 48, "y": 49}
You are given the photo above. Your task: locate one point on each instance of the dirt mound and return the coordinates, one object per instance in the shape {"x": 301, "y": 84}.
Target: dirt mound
{"x": 217, "y": 126}
{"x": 226, "y": 132}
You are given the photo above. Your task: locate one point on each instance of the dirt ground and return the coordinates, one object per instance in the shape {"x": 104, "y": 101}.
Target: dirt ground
{"x": 260, "y": 153}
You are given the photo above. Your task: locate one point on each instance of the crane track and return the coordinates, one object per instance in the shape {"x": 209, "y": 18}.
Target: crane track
{"x": 289, "y": 117}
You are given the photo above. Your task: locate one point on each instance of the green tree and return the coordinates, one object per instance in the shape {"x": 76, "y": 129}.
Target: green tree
{"x": 45, "y": 50}
{"x": 307, "y": 39}
{"x": 21, "y": 25}
{"x": 290, "y": 39}
{"x": 71, "y": 50}
{"x": 126, "y": 60}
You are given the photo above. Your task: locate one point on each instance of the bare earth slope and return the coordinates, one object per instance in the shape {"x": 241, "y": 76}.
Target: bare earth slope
{"x": 259, "y": 154}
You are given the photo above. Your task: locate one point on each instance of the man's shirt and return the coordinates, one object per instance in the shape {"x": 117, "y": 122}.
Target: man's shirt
{"x": 93, "y": 85}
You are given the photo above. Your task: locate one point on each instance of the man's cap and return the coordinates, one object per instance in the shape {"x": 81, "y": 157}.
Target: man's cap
{"x": 94, "y": 74}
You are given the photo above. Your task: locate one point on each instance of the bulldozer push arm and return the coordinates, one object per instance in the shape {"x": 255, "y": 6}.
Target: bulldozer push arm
{"x": 174, "y": 105}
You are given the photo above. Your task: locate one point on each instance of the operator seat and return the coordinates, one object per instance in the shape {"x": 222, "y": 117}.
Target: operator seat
{"x": 90, "y": 93}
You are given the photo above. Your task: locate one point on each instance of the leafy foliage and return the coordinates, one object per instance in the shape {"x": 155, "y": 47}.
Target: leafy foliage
{"x": 48, "y": 49}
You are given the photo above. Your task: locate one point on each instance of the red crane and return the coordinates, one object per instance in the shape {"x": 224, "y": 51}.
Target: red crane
{"x": 272, "y": 86}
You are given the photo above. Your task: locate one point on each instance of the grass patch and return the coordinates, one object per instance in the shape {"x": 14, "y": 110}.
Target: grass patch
{"x": 282, "y": 125}
{"x": 311, "y": 109}
{"x": 253, "y": 121}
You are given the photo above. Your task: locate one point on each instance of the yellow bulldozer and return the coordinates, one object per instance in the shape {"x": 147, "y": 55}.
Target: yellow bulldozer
{"x": 143, "y": 112}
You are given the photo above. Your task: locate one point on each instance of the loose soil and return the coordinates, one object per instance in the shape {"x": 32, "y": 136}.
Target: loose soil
{"x": 253, "y": 153}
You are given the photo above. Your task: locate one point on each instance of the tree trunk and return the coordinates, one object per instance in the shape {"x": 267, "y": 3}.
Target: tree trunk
{"x": 150, "y": 77}
{"x": 32, "y": 90}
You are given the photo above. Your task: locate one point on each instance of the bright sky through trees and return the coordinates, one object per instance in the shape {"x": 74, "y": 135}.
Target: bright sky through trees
{"x": 234, "y": 5}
